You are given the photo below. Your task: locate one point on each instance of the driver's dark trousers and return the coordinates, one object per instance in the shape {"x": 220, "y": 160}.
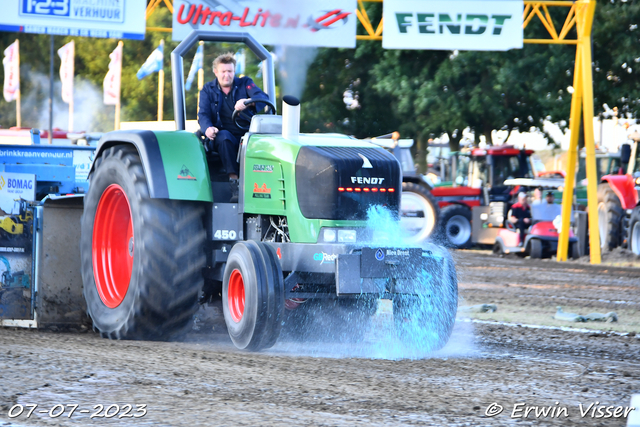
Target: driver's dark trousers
{"x": 226, "y": 144}
{"x": 522, "y": 228}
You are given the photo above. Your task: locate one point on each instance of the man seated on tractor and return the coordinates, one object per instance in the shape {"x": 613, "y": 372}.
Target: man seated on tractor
{"x": 520, "y": 216}
{"x": 218, "y": 100}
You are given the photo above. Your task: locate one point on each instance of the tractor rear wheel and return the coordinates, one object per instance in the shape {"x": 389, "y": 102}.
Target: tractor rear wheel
{"x": 142, "y": 258}
{"x": 609, "y": 217}
{"x": 419, "y": 211}
{"x": 253, "y": 296}
{"x": 456, "y": 226}
{"x": 535, "y": 248}
{"x": 634, "y": 231}
{"x": 425, "y": 322}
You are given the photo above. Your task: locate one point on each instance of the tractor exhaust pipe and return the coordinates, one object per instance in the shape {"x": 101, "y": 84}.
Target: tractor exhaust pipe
{"x": 290, "y": 117}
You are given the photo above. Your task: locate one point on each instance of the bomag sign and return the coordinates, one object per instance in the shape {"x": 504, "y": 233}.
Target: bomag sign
{"x": 453, "y": 24}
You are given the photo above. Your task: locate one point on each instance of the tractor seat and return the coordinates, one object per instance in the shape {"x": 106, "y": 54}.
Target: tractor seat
{"x": 265, "y": 123}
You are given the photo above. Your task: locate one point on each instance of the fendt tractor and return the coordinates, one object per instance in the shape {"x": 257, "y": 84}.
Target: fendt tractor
{"x": 160, "y": 235}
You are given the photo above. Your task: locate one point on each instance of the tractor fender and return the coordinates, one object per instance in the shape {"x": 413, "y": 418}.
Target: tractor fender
{"x": 623, "y": 186}
{"x": 174, "y": 163}
{"x": 418, "y": 179}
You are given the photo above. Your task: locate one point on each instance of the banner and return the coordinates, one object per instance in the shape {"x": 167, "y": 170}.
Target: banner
{"x": 111, "y": 84}
{"x": 121, "y": 19}
{"x": 453, "y": 24}
{"x": 330, "y": 23}
{"x": 67, "y": 54}
{"x": 153, "y": 64}
{"x": 11, "y": 62}
{"x": 196, "y": 65}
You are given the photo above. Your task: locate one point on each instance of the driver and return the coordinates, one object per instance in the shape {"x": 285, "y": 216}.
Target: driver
{"x": 218, "y": 100}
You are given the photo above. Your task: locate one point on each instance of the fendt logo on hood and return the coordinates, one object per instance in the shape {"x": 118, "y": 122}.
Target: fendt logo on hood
{"x": 366, "y": 164}
{"x": 366, "y": 180}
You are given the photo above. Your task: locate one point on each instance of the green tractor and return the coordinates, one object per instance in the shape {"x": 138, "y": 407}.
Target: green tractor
{"x": 160, "y": 236}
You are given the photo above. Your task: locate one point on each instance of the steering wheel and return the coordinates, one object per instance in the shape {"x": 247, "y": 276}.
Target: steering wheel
{"x": 245, "y": 116}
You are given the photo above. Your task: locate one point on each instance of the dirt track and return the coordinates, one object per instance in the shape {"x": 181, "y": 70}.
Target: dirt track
{"x": 204, "y": 381}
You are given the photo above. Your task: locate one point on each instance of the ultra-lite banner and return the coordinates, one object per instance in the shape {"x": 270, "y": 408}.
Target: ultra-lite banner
{"x": 330, "y": 23}
{"x": 453, "y": 24}
{"x": 122, "y": 19}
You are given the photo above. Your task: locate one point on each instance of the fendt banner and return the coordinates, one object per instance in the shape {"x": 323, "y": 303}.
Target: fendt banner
{"x": 330, "y": 23}
{"x": 453, "y": 24}
{"x": 121, "y": 19}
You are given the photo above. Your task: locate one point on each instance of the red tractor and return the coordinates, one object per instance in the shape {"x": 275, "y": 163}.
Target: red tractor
{"x": 618, "y": 201}
{"x": 479, "y": 193}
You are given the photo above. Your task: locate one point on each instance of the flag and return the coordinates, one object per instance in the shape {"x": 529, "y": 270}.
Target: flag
{"x": 111, "y": 85}
{"x": 67, "y": 53}
{"x": 196, "y": 65}
{"x": 153, "y": 63}
{"x": 240, "y": 68}
{"x": 11, "y": 64}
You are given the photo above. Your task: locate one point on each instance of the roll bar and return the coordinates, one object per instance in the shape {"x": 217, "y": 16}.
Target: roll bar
{"x": 177, "y": 75}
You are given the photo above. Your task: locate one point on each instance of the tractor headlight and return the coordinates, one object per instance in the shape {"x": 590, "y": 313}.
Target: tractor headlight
{"x": 484, "y": 216}
{"x": 638, "y": 181}
{"x": 347, "y": 236}
{"x": 329, "y": 235}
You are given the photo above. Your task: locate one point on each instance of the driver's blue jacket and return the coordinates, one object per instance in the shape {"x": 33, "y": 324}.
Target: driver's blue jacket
{"x": 212, "y": 100}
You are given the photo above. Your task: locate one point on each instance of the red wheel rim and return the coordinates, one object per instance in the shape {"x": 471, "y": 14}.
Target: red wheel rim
{"x": 112, "y": 246}
{"x": 235, "y": 295}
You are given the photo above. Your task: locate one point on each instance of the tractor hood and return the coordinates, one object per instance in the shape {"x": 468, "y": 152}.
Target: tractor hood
{"x": 340, "y": 183}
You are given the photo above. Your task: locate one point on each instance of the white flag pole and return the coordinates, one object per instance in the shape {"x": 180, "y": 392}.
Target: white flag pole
{"x": 18, "y": 112}
{"x": 117, "y": 124}
{"x": 161, "y": 86}
{"x": 72, "y": 53}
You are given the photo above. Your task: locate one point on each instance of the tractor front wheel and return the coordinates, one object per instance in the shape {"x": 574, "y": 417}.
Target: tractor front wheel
{"x": 425, "y": 322}
{"x": 456, "y": 226}
{"x": 609, "y": 217}
{"x": 253, "y": 296}
{"x": 634, "y": 231}
{"x": 141, "y": 258}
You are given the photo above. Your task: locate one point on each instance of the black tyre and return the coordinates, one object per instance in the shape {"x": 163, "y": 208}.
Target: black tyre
{"x": 609, "y": 217}
{"x": 455, "y": 226}
{"x": 535, "y": 248}
{"x": 253, "y": 295}
{"x": 497, "y": 248}
{"x": 634, "y": 231}
{"x": 142, "y": 258}
{"x": 575, "y": 250}
{"x": 425, "y": 322}
{"x": 419, "y": 211}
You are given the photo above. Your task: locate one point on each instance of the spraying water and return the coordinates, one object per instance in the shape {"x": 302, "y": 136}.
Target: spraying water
{"x": 412, "y": 325}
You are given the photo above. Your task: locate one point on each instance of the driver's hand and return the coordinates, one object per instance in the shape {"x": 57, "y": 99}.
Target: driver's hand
{"x": 240, "y": 104}
{"x": 527, "y": 221}
{"x": 211, "y": 132}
